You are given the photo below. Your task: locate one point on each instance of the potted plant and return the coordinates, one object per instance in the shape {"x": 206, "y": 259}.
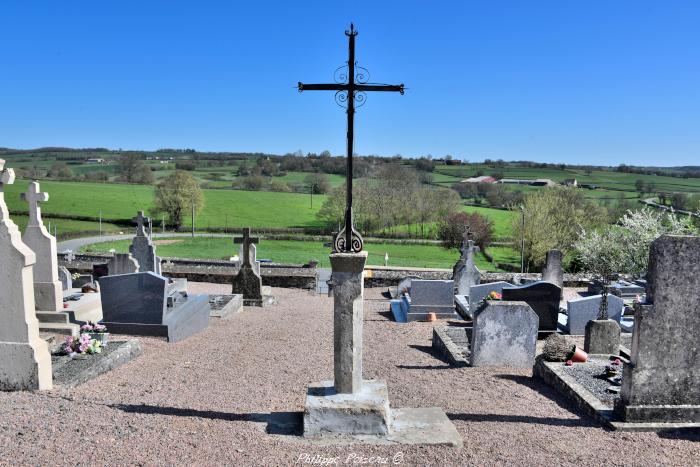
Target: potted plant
{"x": 96, "y": 331}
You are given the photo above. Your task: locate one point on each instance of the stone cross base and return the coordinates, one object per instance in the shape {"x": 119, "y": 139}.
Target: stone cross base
{"x": 365, "y": 412}
{"x": 25, "y": 366}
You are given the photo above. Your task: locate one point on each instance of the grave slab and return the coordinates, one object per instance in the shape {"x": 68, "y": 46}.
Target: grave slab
{"x": 431, "y": 296}
{"x": 224, "y": 306}
{"x": 69, "y": 373}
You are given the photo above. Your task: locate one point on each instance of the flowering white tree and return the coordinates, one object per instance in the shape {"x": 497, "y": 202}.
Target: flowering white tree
{"x": 624, "y": 248}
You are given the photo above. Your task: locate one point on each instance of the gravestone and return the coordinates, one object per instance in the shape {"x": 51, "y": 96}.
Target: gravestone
{"x": 543, "y": 298}
{"x": 602, "y": 337}
{"x": 65, "y": 278}
{"x": 48, "y": 293}
{"x": 476, "y": 294}
{"x": 148, "y": 304}
{"x": 142, "y": 249}
{"x": 431, "y": 296}
{"x": 504, "y": 334}
{"x": 662, "y": 381}
{"x": 122, "y": 263}
{"x": 581, "y": 310}
{"x": 465, "y": 273}
{"x": 253, "y": 254}
{"x": 247, "y": 281}
{"x": 553, "y": 270}
{"x": 25, "y": 362}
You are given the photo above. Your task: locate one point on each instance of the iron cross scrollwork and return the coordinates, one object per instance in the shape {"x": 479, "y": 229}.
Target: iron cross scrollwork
{"x": 351, "y": 85}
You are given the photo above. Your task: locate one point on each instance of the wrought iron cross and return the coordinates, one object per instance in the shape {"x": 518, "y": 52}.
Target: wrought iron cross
{"x": 246, "y": 240}
{"x": 350, "y": 87}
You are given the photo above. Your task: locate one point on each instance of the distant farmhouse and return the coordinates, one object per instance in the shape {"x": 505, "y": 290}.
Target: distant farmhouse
{"x": 481, "y": 179}
{"x": 570, "y": 182}
{"x": 95, "y": 160}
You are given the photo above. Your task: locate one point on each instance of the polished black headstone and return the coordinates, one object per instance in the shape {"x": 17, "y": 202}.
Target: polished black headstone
{"x": 543, "y": 298}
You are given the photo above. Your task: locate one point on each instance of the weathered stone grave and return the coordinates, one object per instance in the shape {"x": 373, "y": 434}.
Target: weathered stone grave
{"x": 65, "y": 277}
{"x": 25, "y": 362}
{"x": 247, "y": 281}
{"x": 553, "y": 270}
{"x": 465, "y": 273}
{"x": 504, "y": 334}
{"x": 142, "y": 249}
{"x": 581, "y": 310}
{"x": 543, "y": 298}
{"x": 148, "y": 304}
{"x": 122, "y": 263}
{"x": 662, "y": 382}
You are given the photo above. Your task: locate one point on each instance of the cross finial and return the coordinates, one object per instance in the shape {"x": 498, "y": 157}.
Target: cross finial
{"x": 34, "y": 196}
{"x": 141, "y": 221}
{"x": 352, "y": 31}
{"x": 7, "y": 177}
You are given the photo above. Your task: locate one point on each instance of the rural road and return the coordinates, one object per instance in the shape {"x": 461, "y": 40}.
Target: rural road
{"x": 650, "y": 202}
{"x": 76, "y": 243}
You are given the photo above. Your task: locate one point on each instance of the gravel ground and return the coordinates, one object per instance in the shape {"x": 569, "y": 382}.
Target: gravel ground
{"x": 206, "y": 401}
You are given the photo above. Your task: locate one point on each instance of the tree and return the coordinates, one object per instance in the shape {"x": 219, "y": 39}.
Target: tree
{"x": 623, "y": 248}
{"x": 60, "y": 170}
{"x": 554, "y": 218}
{"x": 317, "y": 183}
{"x": 640, "y": 186}
{"x": 132, "y": 169}
{"x": 175, "y": 195}
{"x": 451, "y": 229}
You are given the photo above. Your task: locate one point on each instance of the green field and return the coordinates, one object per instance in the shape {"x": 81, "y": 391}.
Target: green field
{"x": 223, "y": 208}
{"x": 68, "y": 226}
{"x": 427, "y": 256}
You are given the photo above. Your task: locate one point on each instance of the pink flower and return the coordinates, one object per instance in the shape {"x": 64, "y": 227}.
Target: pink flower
{"x": 569, "y": 363}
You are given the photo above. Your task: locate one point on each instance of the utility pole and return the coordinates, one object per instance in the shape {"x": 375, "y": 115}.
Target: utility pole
{"x": 163, "y": 223}
{"x": 100, "y": 222}
{"x": 192, "y": 217}
{"x": 522, "y": 239}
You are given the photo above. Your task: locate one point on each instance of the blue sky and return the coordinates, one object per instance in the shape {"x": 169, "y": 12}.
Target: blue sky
{"x": 589, "y": 82}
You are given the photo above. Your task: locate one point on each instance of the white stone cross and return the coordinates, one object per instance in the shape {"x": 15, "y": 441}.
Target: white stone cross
{"x": 33, "y": 196}
{"x": 7, "y": 177}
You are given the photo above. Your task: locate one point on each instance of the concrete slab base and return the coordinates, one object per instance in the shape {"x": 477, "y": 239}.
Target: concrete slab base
{"x": 553, "y": 375}
{"x": 364, "y": 413}
{"x": 337, "y": 419}
{"x": 69, "y": 373}
{"x": 267, "y": 299}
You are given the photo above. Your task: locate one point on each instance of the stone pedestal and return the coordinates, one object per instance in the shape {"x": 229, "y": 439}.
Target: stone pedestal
{"x": 602, "y": 337}
{"x": 348, "y": 294}
{"x": 25, "y": 362}
{"x": 365, "y": 412}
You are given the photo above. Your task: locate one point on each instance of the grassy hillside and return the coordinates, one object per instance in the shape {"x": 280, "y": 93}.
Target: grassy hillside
{"x": 429, "y": 256}
{"x": 222, "y": 207}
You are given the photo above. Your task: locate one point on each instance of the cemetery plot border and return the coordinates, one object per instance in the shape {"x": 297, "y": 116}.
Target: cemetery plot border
{"x": 69, "y": 373}
{"x": 554, "y": 375}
